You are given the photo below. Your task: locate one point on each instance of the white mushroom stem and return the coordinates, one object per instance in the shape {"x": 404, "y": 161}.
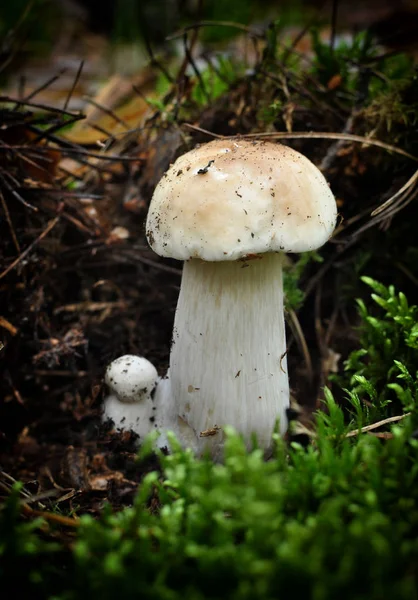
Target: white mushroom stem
{"x": 228, "y": 359}
{"x": 139, "y": 417}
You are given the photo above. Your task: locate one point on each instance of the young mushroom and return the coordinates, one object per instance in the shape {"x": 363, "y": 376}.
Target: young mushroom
{"x": 135, "y": 403}
{"x": 231, "y": 209}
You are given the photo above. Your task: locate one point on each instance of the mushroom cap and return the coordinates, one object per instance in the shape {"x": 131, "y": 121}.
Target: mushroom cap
{"x": 131, "y": 378}
{"x": 232, "y": 198}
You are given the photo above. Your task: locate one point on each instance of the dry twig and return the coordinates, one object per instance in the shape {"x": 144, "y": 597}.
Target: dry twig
{"x": 23, "y": 255}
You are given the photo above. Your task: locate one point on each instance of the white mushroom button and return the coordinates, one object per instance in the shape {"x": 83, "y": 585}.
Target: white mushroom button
{"x": 131, "y": 381}
{"x": 132, "y": 378}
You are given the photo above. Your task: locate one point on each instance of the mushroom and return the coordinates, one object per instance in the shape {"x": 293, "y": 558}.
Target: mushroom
{"x": 230, "y": 209}
{"x": 135, "y": 402}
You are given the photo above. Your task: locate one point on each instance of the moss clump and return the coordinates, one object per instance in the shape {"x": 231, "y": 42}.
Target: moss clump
{"x": 384, "y": 368}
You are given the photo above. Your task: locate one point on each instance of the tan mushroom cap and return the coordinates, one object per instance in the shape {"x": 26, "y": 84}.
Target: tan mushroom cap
{"x": 231, "y": 198}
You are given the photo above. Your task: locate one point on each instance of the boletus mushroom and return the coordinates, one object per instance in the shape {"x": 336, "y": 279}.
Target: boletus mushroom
{"x": 230, "y": 209}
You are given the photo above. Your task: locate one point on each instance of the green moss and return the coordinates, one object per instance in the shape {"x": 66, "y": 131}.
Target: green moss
{"x": 215, "y": 80}
{"x": 384, "y": 368}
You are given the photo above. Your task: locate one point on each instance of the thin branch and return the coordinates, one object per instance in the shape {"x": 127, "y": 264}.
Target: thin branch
{"x": 324, "y": 135}
{"x": 157, "y": 265}
{"x": 70, "y": 149}
{"x": 332, "y": 153}
{"x": 403, "y": 201}
{"x": 48, "y": 516}
{"x": 23, "y": 255}
{"x": 89, "y": 306}
{"x": 14, "y": 193}
{"x": 378, "y": 424}
{"x": 205, "y": 131}
{"x": 288, "y": 50}
{"x": 12, "y": 150}
{"x": 50, "y": 109}
{"x": 200, "y": 24}
{"x": 153, "y": 60}
{"x": 303, "y": 346}
{"x": 9, "y": 222}
{"x": 334, "y": 14}
{"x": 12, "y": 33}
{"x": 332, "y": 136}
{"x": 412, "y": 181}
{"x": 21, "y": 19}
{"x": 15, "y": 51}
{"x": 313, "y": 434}
{"x": 107, "y": 111}
{"x": 77, "y": 77}
{"x": 45, "y": 85}
{"x": 54, "y": 128}
{"x": 189, "y": 56}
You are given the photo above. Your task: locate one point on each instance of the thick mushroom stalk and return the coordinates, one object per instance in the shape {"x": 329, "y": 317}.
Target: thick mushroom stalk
{"x": 228, "y": 359}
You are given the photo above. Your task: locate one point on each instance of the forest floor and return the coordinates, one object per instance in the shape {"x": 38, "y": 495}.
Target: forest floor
{"x": 79, "y": 285}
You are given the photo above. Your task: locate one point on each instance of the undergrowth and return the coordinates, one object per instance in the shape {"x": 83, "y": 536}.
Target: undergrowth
{"x": 384, "y": 369}
{"x": 353, "y": 77}
{"x": 292, "y": 276}
{"x": 339, "y": 519}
